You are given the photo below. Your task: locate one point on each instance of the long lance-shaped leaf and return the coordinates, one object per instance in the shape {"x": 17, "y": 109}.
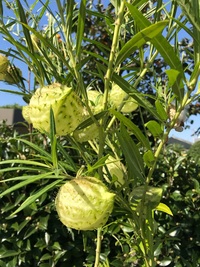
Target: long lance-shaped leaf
{"x": 25, "y": 162}
{"x": 192, "y": 11}
{"x": 161, "y": 44}
{"x": 133, "y": 127}
{"x": 49, "y": 44}
{"x": 132, "y": 155}
{"x": 24, "y": 21}
{"x": 36, "y": 148}
{"x": 21, "y": 48}
{"x": 138, "y": 40}
{"x": 26, "y": 177}
{"x": 80, "y": 27}
{"x": 1, "y": 9}
{"x": 20, "y": 168}
{"x": 32, "y": 198}
{"x": 31, "y": 179}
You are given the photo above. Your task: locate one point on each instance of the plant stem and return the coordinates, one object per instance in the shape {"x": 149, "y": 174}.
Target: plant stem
{"x": 98, "y": 247}
{"x": 115, "y": 43}
{"x": 108, "y": 77}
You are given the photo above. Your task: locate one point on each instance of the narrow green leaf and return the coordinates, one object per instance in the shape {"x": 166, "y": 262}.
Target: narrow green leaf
{"x": 47, "y": 43}
{"x": 20, "y": 168}
{"x": 99, "y": 163}
{"x": 80, "y": 27}
{"x": 101, "y": 46}
{"x": 154, "y": 128}
{"x": 31, "y": 179}
{"x": 25, "y": 177}
{"x": 12, "y": 92}
{"x": 139, "y": 40}
{"x": 9, "y": 253}
{"x": 25, "y": 162}
{"x": 90, "y": 121}
{"x": 22, "y": 16}
{"x": 53, "y": 139}
{"x": 97, "y": 56}
{"x": 132, "y": 156}
{"x": 194, "y": 77}
{"x": 176, "y": 82}
{"x": 161, "y": 44}
{"x": 192, "y": 11}
{"x": 69, "y": 16}
{"x": 36, "y": 148}
{"x": 43, "y": 10}
{"x": 1, "y": 9}
{"x": 160, "y": 110}
{"x": 133, "y": 127}
{"x": 32, "y": 198}
{"x": 67, "y": 157}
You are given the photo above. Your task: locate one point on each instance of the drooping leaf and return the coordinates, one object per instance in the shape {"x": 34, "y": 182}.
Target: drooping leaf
{"x": 23, "y": 20}
{"x": 80, "y": 27}
{"x": 53, "y": 139}
{"x": 31, "y": 179}
{"x": 133, "y": 127}
{"x": 140, "y": 39}
{"x": 132, "y": 155}
{"x": 192, "y": 11}
{"x": 161, "y": 44}
{"x": 176, "y": 82}
{"x": 35, "y": 196}
{"x": 194, "y": 77}
{"x": 160, "y": 110}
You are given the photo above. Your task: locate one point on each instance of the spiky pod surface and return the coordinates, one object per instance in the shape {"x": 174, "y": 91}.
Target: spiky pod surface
{"x": 84, "y": 203}
{"x": 67, "y": 107}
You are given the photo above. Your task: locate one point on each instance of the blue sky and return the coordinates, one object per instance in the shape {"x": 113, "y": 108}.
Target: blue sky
{"x": 8, "y": 98}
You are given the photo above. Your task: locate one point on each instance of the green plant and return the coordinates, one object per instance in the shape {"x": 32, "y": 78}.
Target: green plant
{"x": 60, "y": 52}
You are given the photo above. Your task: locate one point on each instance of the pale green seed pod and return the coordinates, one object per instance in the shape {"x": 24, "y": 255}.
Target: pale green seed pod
{"x": 91, "y": 132}
{"x": 67, "y": 107}
{"x": 95, "y": 101}
{"x": 86, "y": 134}
{"x": 4, "y": 62}
{"x": 84, "y": 203}
{"x": 116, "y": 169}
{"x": 26, "y": 113}
{"x": 116, "y": 97}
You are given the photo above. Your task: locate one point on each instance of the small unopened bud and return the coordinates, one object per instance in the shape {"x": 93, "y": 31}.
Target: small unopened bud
{"x": 178, "y": 126}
